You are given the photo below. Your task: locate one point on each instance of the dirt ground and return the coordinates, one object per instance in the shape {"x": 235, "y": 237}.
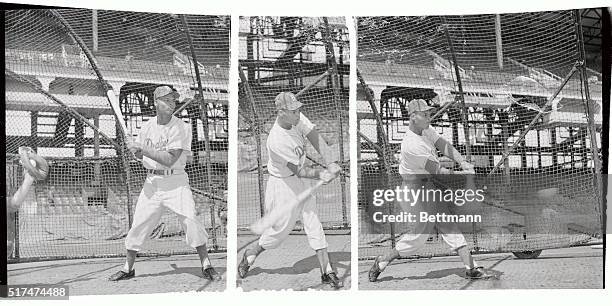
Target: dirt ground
{"x": 569, "y": 268}
{"x": 89, "y": 276}
{"x": 294, "y": 265}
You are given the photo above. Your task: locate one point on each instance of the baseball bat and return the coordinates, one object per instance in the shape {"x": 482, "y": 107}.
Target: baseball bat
{"x": 275, "y": 215}
{"x": 114, "y": 102}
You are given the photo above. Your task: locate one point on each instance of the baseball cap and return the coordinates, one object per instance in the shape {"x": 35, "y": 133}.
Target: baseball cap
{"x": 163, "y": 91}
{"x": 287, "y": 100}
{"x": 417, "y": 105}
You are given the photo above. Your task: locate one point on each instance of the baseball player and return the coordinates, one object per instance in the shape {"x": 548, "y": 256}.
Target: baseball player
{"x": 35, "y": 168}
{"x": 163, "y": 144}
{"x": 288, "y": 178}
{"x": 418, "y": 161}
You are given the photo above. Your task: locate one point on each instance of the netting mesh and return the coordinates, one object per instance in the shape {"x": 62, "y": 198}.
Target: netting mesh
{"x": 521, "y": 134}
{"x": 56, "y": 104}
{"x": 309, "y": 57}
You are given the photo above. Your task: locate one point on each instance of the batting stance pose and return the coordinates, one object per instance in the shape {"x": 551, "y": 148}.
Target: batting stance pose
{"x": 36, "y": 168}
{"x": 288, "y": 178}
{"x": 163, "y": 144}
{"x": 418, "y": 161}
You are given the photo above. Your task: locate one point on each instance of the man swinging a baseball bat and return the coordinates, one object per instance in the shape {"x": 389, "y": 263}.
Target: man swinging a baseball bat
{"x": 163, "y": 145}
{"x": 418, "y": 164}
{"x": 289, "y": 179}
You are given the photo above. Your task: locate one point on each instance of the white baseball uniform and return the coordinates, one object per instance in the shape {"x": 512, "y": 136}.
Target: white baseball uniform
{"x": 165, "y": 191}
{"x": 284, "y": 186}
{"x": 415, "y": 151}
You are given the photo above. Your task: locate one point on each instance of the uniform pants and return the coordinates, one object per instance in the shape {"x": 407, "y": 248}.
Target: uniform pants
{"x": 280, "y": 191}
{"x": 416, "y": 237}
{"x": 160, "y": 192}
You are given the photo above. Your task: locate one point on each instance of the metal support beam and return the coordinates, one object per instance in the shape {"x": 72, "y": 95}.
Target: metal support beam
{"x": 256, "y": 128}
{"x": 535, "y": 120}
{"x": 464, "y": 115}
{"x": 498, "y": 42}
{"x": 333, "y": 72}
{"x": 204, "y": 117}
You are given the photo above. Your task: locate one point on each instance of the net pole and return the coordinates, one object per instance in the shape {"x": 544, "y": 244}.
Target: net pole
{"x": 498, "y": 42}
{"x": 122, "y": 148}
{"x": 333, "y": 66}
{"x": 257, "y": 132}
{"x": 370, "y": 143}
{"x": 588, "y": 104}
{"x": 16, "y": 250}
{"x": 204, "y": 117}
{"x": 464, "y": 121}
{"x": 386, "y": 164}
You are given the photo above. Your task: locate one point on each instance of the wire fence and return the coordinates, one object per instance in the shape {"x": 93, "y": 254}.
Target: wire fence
{"x": 60, "y": 64}
{"x": 309, "y": 57}
{"x": 515, "y": 95}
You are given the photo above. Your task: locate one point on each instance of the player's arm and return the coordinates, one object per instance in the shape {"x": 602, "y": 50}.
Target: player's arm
{"x": 448, "y": 150}
{"x": 180, "y": 140}
{"x": 435, "y": 167}
{"x": 318, "y": 142}
{"x": 421, "y": 157}
{"x": 305, "y": 172}
{"x": 15, "y": 201}
{"x": 166, "y": 158}
{"x": 321, "y": 146}
{"x": 312, "y": 173}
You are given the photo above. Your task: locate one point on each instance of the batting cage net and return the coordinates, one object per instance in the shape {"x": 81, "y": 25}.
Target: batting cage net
{"x": 308, "y": 57}
{"x": 516, "y": 94}
{"x": 63, "y": 67}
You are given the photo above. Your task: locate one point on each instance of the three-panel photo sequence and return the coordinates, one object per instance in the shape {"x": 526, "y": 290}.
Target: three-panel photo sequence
{"x": 444, "y": 152}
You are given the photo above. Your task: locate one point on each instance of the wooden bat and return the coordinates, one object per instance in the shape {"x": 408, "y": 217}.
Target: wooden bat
{"x": 114, "y": 102}
{"x": 280, "y": 211}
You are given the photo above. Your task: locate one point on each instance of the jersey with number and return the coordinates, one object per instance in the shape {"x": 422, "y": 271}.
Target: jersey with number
{"x": 287, "y": 146}
{"x": 416, "y": 150}
{"x": 174, "y": 135}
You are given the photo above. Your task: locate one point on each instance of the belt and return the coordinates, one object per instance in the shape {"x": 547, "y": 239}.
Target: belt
{"x": 165, "y": 172}
{"x": 281, "y": 176}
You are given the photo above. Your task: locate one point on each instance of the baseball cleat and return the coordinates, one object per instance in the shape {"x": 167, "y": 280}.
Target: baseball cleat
{"x": 243, "y": 266}
{"x": 477, "y": 273}
{"x": 122, "y": 275}
{"x": 374, "y": 271}
{"x": 211, "y": 274}
{"x": 332, "y": 279}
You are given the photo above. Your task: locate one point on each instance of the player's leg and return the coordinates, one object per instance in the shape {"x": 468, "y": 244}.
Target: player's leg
{"x": 413, "y": 240}
{"x": 178, "y": 198}
{"x": 408, "y": 244}
{"x": 279, "y": 191}
{"x": 452, "y": 235}
{"x": 208, "y": 271}
{"x": 317, "y": 241}
{"x": 146, "y": 215}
